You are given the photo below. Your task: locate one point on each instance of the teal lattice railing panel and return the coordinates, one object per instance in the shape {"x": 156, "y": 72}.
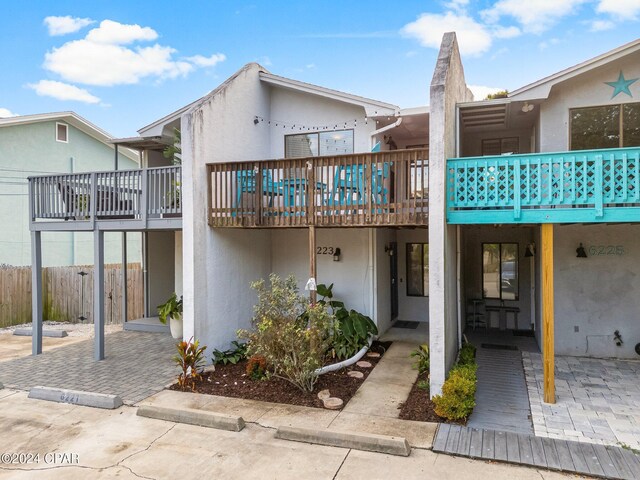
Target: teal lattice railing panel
{"x": 561, "y": 187}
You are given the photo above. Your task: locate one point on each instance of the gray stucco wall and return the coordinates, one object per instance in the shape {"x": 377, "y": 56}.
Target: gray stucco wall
{"x": 31, "y": 149}
{"x": 598, "y": 294}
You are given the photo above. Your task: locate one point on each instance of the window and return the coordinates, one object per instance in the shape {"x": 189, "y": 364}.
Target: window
{"x": 417, "y": 269}
{"x": 500, "y": 146}
{"x": 609, "y": 126}
{"x": 338, "y": 142}
{"x": 62, "y": 132}
{"x": 500, "y": 271}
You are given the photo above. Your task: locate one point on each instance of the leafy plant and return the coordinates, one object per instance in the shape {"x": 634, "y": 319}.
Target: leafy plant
{"x": 424, "y": 385}
{"x": 291, "y": 335}
{"x": 422, "y": 358}
{"x": 172, "y": 308}
{"x": 353, "y": 329}
{"x": 458, "y": 392}
{"x": 467, "y": 354}
{"x": 233, "y": 355}
{"x": 257, "y": 367}
{"x": 190, "y": 358}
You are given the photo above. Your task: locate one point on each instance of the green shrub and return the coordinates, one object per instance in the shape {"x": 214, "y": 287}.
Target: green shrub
{"x": 292, "y": 336}
{"x": 458, "y": 392}
{"x": 422, "y": 358}
{"x": 467, "y": 354}
{"x": 233, "y": 355}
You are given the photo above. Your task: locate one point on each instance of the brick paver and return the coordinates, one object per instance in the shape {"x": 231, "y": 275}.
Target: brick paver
{"x": 597, "y": 401}
{"x": 137, "y": 365}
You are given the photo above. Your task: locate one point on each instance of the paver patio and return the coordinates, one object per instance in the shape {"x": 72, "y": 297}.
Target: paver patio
{"x": 137, "y": 365}
{"x": 598, "y": 401}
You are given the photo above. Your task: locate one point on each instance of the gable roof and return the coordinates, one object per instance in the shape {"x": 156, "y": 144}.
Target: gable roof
{"x": 71, "y": 118}
{"x": 372, "y": 107}
{"x": 542, "y": 88}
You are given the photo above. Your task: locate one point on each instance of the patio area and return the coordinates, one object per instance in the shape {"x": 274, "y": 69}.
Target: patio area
{"x": 137, "y": 365}
{"x": 598, "y": 400}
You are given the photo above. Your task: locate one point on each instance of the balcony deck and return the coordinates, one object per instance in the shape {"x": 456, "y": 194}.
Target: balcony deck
{"x": 127, "y": 200}
{"x": 358, "y": 190}
{"x": 587, "y": 186}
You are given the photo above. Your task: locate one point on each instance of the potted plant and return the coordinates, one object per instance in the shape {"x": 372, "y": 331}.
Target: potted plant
{"x": 172, "y": 310}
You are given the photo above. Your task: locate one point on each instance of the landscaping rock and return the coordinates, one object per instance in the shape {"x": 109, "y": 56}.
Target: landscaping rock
{"x": 363, "y": 364}
{"x": 333, "y": 403}
{"x": 209, "y": 368}
{"x": 355, "y": 374}
{"x": 373, "y": 355}
{"x": 324, "y": 394}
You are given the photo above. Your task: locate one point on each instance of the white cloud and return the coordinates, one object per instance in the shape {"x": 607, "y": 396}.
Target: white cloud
{"x": 101, "y": 58}
{"x": 535, "y": 16}
{"x": 601, "y": 25}
{"x": 5, "y": 113}
{"x": 115, "y": 33}
{"x": 480, "y": 92}
{"x": 505, "y": 32}
{"x": 211, "y": 61}
{"x": 621, "y": 9}
{"x": 62, "y": 91}
{"x": 66, "y": 24}
{"x": 473, "y": 37}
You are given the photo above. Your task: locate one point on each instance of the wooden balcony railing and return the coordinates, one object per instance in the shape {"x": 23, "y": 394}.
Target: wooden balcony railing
{"x": 368, "y": 189}
{"x": 113, "y": 195}
{"x": 565, "y": 187}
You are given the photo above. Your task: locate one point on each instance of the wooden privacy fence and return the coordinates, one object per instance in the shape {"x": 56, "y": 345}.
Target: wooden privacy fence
{"x": 62, "y": 294}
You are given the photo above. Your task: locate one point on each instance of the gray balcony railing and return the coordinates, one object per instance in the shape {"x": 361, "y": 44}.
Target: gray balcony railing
{"x": 122, "y": 195}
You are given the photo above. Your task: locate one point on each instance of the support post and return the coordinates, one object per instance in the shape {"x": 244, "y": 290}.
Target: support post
{"x": 36, "y": 292}
{"x": 98, "y": 293}
{"x": 312, "y": 260}
{"x": 124, "y": 278}
{"x": 548, "y": 353}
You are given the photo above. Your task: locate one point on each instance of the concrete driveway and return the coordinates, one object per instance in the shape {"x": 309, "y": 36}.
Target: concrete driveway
{"x": 106, "y": 444}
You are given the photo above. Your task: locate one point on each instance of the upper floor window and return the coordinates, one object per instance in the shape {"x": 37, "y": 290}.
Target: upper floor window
{"x": 500, "y": 146}
{"x": 62, "y": 132}
{"x": 609, "y": 126}
{"x": 337, "y": 142}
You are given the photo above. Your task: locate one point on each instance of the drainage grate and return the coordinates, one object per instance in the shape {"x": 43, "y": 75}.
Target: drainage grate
{"x": 405, "y": 324}
{"x": 494, "y": 346}
{"x": 523, "y": 333}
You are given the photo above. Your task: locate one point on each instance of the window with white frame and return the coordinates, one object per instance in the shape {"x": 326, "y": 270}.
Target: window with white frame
{"x": 62, "y": 132}
{"x": 336, "y": 142}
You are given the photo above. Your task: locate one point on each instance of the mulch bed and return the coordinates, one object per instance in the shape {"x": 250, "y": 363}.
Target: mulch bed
{"x": 418, "y": 406}
{"x": 232, "y": 381}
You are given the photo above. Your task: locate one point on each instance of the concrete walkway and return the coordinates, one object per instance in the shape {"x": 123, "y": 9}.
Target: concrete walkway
{"x": 388, "y": 385}
{"x": 137, "y": 365}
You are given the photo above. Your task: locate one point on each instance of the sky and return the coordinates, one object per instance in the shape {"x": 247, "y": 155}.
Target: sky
{"x": 124, "y": 64}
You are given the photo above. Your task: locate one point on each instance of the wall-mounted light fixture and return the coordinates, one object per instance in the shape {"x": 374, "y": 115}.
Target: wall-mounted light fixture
{"x": 530, "y": 251}
{"x": 336, "y": 255}
{"x": 580, "y": 252}
{"x": 388, "y": 249}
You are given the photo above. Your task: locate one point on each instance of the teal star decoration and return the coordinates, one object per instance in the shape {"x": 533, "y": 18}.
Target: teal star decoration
{"x": 621, "y": 85}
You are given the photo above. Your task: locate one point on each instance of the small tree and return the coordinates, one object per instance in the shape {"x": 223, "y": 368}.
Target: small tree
{"x": 291, "y": 335}
{"x": 174, "y": 152}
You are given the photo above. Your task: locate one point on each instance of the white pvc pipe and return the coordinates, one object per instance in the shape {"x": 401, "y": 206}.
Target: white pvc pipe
{"x": 345, "y": 363}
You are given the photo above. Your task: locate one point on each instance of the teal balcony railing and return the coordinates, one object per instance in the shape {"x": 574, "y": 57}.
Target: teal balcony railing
{"x": 562, "y": 187}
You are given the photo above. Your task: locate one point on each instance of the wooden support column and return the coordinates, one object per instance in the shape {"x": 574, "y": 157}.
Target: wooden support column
{"x": 548, "y": 353}
{"x": 98, "y": 293}
{"x": 124, "y": 277}
{"x": 312, "y": 260}
{"x": 36, "y": 292}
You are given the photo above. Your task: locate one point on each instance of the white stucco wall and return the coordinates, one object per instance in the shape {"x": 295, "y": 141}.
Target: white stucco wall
{"x": 586, "y": 90}
{"x": 414, "y": 309}
{"x": 597, "y": 294}
{"x": 178, "y": 263}
{"x": 351, "y": 276}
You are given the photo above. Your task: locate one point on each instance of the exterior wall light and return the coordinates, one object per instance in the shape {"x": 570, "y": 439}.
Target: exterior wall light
{"x": 336, "y": 255}
{"x": 580, "y": 252}
{"x": 530, "y": 251}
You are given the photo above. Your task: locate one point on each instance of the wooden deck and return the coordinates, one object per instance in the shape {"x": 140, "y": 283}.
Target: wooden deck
{"x": 583, "y": 458}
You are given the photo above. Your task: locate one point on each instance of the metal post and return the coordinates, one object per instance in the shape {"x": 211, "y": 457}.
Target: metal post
{"x": 36, "y": 292}
{"x": 145, "y": 276}
{"x": 124, "y": 277}
{"x": 115, "y": 161}
{"x": 98, "y": 293}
